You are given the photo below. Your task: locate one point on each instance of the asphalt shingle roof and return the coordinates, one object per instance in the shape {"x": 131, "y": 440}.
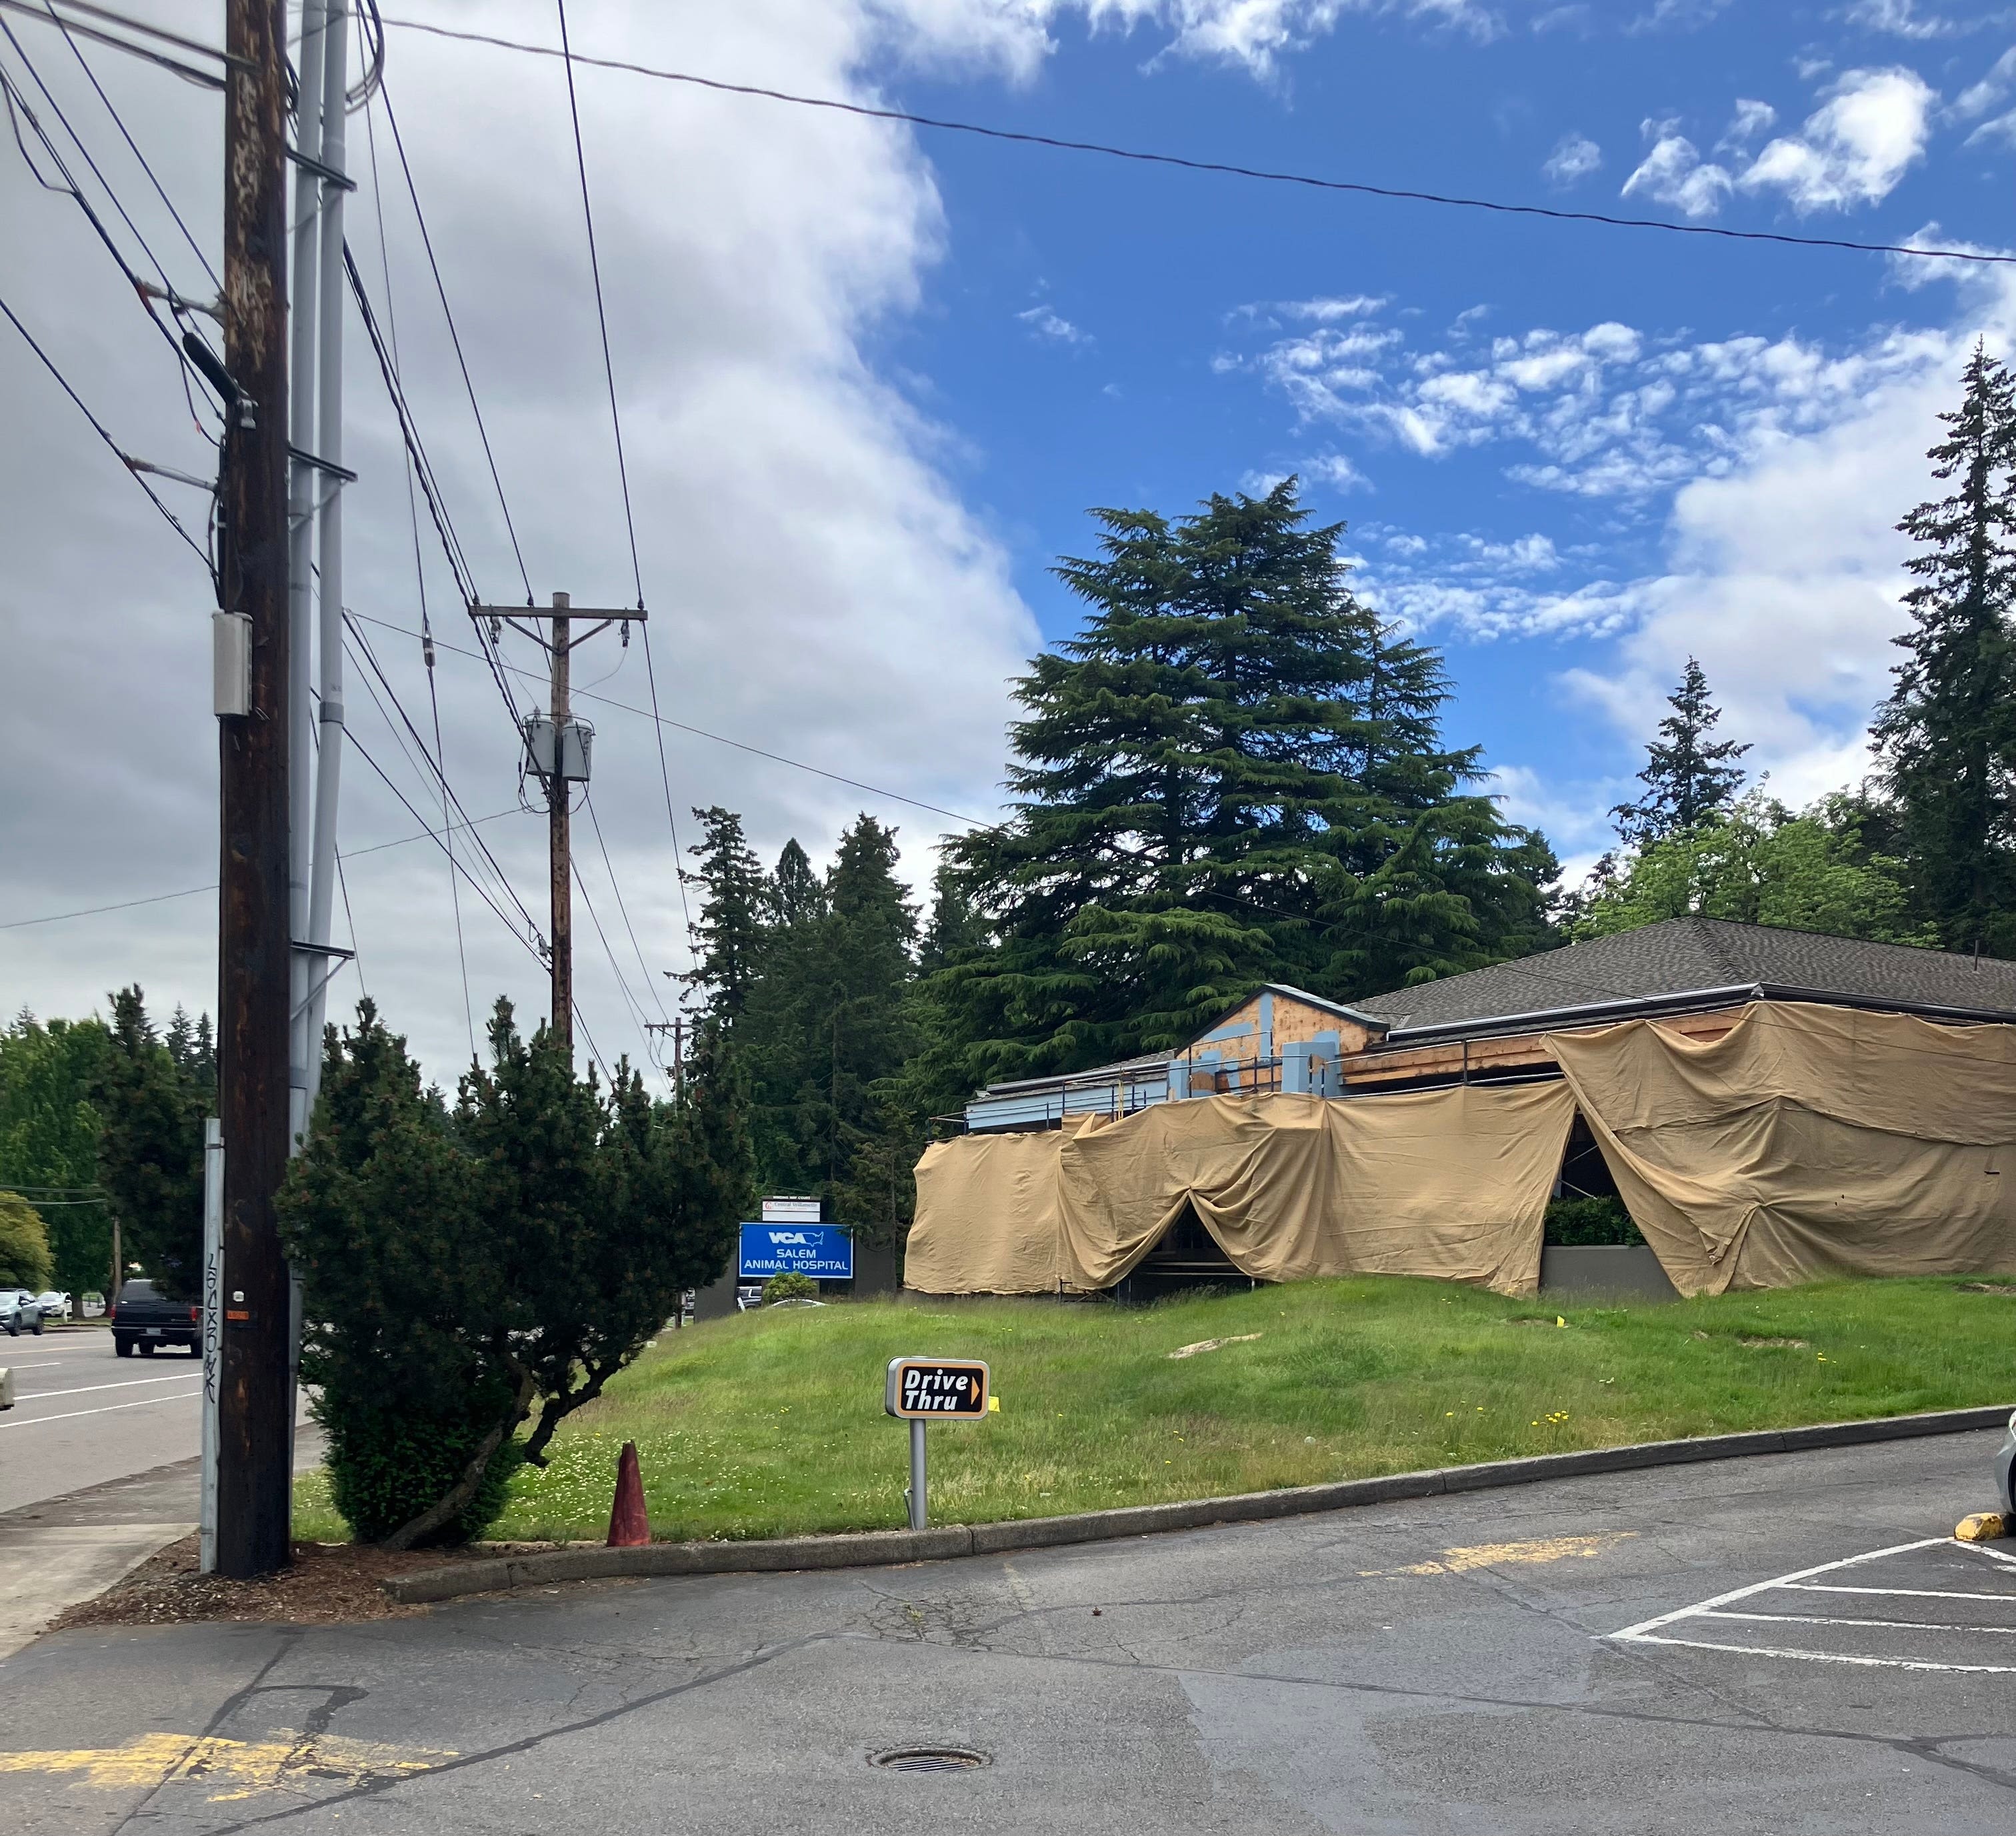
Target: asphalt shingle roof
{"x": 1684, "y": 954}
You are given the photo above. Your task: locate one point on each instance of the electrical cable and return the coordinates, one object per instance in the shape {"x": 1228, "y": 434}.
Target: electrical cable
{"x": 665, "y": 778}
{"x": 719, "y": 739}
{"x": 160, "y": 191}
{"x": 1399, "y": 193}
{"x": 588, "y": 804}
{"x": 204, "y": 79}
{"x": 601, "y": 316}
{"x": 98, "y": 427}
{"x": 419, "y": 568}
{"x": 454, "y": 337}
{"x": 187, "y": 892}
{"x": 637, "y": 1013}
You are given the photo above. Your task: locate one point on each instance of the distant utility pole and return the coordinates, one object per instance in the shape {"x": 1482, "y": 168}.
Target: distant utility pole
{"x": 255, "y": 939}
{"x": 557, "y": 746}
{"x": 676, "y": 1027}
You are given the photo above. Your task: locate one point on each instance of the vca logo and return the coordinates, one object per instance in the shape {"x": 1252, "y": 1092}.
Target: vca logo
{"x": 790, "y": 1236}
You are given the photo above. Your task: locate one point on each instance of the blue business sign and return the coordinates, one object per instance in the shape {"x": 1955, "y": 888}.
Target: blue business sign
{"x": 822, "y": 1250}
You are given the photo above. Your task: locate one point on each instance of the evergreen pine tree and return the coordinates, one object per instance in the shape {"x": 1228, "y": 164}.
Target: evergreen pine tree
{"x": 150, "y": 1155}
{"x": 1946, "y": 736}
{"x": 1234, "y": 773}
{"x": 796, "y": 895}
{"x": 735, "y": 896}
{"x": 1689, "y": 779}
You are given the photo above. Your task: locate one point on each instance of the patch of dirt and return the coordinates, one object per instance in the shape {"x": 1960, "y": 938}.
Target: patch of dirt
{"x": 328, "y": 1582}
{"x": 1766, "y": 1344}
{"x": 1986, "y": 1287}
{"x": 1238, "y": 1338}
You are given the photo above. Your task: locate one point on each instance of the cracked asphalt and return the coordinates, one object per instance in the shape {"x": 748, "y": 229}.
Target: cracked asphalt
{"x": 1436, "y": 1666}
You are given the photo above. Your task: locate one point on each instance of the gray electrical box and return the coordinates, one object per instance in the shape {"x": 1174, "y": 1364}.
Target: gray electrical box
{"x": 562, "y": 752}
{"x": 230, "y": 663}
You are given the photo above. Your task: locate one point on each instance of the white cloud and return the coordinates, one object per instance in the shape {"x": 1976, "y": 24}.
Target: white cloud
{"x": 1751, "y": 118}
{"x": 1674, "y": 173}
{"x": 1784, "y": 575}
{"x": 817, "y": 586}
{"x": 1016, "y": 36}
{"x": 1853, "y": 149}
{"x": 1902, "y": 19}
{"x": 1046, "y": 323}
{"x": 1576, "y": 156}
{"x": 1335, "y": 469}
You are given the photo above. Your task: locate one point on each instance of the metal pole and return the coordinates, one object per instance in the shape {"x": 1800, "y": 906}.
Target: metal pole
{"x": 556, "y": 808}
{"x": 916, "y": 1496}
{"x": 329, "y": 435}
{"x": 213, "y": 1323}
{"x": 301, "y": 482}
{"x": 254, "y": 966}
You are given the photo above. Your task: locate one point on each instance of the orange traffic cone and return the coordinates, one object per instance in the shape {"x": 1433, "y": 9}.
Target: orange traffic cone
{"x": 627, "y": 1524}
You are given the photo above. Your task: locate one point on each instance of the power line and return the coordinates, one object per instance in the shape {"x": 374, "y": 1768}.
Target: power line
{"x": 643, "y": 969}
{"x": 719, "y": 739}
{"x": 454, "y": 337}
{"x": 189, "y": 892}
{"x": 601, "y": 316}
{"x": 1182, "y": 162}
{"x": 665, "y": 778}
{"x": 98, "y": 427}
{"x": 160, "y": 191}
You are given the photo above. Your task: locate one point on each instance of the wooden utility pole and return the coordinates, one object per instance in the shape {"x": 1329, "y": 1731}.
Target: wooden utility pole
{"x": 254, "y": 944}
{"x": 558, "y": 746}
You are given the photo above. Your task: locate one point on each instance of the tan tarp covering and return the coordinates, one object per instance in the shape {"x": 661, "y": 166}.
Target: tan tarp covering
{"x": 1452, "y": 1183}
{"x": 1808, "y": 1141}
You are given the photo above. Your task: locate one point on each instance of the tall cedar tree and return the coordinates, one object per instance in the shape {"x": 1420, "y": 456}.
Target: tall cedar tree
{"x": 829, "y": 1024}
{"x": 150, "y": 1155}
{"x": 1946, "y": 737}
{"x": 736, "y": 899}
{"x": 1234, "y": 774}
{"x": 1689, "y": 778}
{"x": 48, "y": 1138}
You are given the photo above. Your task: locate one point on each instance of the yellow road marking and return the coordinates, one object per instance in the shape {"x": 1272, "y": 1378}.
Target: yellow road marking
{"x": 242, "y": 1767}
{"x": 1496, "y": 1555}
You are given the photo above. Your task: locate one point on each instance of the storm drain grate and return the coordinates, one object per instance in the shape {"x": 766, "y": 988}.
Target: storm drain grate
{"x": 928, "y": 1759}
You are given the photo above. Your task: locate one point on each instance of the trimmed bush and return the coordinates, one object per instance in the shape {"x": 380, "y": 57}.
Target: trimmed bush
{"x": 789, "y": 1286}
{"x": 1579, "y": 1221}
{"x": 386, "y": 1466}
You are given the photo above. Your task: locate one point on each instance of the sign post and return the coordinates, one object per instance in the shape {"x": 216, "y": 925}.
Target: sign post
{"x": 923, "y": 1389}
{"x": 213, "y": 1323}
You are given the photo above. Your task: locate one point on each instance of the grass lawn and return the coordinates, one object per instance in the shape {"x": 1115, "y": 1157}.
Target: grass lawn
{"x": 772, "y": 1424}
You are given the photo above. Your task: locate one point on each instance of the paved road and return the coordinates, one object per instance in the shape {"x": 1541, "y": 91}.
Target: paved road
{"x": 1441, "y": 1667}
{"x": 82, "y": 1416}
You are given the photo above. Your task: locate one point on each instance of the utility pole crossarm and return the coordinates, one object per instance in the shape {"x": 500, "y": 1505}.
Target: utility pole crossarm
{"x": 558, "y": 745}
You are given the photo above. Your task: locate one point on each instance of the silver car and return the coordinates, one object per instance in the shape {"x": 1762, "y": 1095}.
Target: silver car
{"x": 19, "y": 1312}
{"x": 2005, "y": 1473}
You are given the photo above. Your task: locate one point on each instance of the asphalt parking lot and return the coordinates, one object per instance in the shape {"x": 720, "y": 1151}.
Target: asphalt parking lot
{"x": 1778, "y": 1644}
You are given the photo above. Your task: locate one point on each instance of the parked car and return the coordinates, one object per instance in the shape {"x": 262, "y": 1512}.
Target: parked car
{"x": 55, "y": 1305}
{"x": 142, "y": 1318}
{"x": 18, "y": 1312}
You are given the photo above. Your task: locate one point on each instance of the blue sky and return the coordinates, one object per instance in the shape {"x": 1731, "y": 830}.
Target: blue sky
{"x": 1503, "y": 410}
{"x": 872, "y": 376}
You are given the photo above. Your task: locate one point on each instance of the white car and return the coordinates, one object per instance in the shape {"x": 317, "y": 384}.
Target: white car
{"x": 55, "y": 1305}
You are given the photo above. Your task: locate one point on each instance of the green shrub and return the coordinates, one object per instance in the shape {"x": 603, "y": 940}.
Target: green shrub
{"x": 1577, "y": 1221}
{"x": 789, "y": 1286}
{"x": 386, "y": 1466}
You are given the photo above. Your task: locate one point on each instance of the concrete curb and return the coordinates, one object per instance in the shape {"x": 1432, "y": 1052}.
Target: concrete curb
{"x": 877, "y": 1548}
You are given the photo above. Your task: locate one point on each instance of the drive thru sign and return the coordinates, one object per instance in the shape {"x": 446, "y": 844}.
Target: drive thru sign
{"x": 925, "y": 1389}
{"x": 936, "y": 1386}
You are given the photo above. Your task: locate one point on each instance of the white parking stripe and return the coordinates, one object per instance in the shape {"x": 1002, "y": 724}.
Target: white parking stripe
{"x": 103, "y": 1409}
{"x": 126, "y": 1384}
{"x": 1917, "y": 1593}
{"x": 1826, "y": 1657}
{"x": 1889, "y": 1625}
{"x": 1743, "y": 1593}
{"x": 1658, "y": 1631}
